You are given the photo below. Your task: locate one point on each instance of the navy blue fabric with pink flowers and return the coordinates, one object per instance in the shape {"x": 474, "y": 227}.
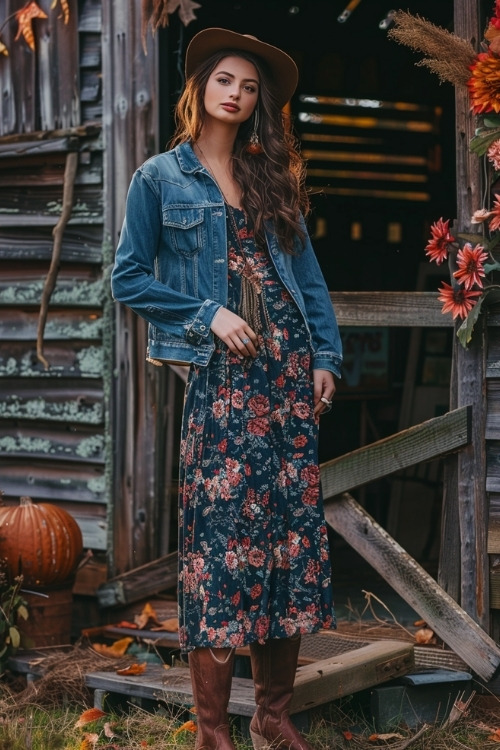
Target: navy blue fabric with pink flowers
{"x": 253, "y": 545}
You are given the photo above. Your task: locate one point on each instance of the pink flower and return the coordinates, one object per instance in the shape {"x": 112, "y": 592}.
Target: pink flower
{"x": 480, "y": 216}
{"x": 493, "y": 153}
{"x": 457, "y": 301}
{"x": 437, "y": 248}
{"x": 495, "y": 212}
{"x": 470, "y": 265}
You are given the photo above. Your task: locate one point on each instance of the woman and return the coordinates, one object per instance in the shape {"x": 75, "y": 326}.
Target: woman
{"x": 215, "y": 255}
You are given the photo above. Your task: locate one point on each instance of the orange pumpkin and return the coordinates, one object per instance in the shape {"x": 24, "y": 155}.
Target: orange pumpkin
{"x": 41, "y": 542}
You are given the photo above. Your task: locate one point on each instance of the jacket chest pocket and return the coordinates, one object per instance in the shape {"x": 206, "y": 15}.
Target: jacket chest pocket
{"x": 185, "y": 229}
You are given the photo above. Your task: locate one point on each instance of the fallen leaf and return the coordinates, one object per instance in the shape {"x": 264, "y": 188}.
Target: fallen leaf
{"x": 171, "y": 625}
{"x": 118, "y": 648}
{"x": 25, "y": 18}
{"x": 92, "y": 739}
{"x": 125, "y": 624}
{"x": 347, "y": 735}
{"x": 148, "y": 613}
{"x": 420, "y": 623}
{"x": 188, "y": 726}
{"x": 425, "y": 636}
{"x": 108, "y": 731}
{"x": 91, "y": 714}
{"x": 133, "y": 669}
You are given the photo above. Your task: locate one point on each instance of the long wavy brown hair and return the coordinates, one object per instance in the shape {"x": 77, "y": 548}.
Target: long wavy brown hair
{"x": 272, "y": 183}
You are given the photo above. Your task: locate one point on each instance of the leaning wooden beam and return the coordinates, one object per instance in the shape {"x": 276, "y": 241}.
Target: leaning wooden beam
{"x": 393, "y": 309}
{"x": 432, "y": 439}
{"x": 459, "y": 631}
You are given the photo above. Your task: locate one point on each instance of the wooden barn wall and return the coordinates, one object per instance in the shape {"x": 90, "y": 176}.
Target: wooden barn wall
{"x": 492, "y": 436}
{"x": 53, "y": 419}
{"x": 84, "y": 432}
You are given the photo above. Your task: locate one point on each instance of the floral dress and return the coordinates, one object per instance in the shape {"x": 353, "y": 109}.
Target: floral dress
{"x": 253, "y": 547}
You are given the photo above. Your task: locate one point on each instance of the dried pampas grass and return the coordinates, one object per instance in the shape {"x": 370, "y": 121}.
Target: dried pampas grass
{"x": 449, "y": 56}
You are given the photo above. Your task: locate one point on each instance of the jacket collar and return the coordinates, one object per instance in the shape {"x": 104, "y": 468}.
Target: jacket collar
{"x": 188, "y": 161}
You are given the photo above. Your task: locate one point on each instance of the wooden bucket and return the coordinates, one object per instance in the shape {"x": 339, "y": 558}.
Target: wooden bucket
{"x": 50, "y": 611}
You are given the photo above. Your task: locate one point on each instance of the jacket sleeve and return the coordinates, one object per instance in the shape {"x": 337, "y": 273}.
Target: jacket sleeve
{"x": 320, "y": 313}
{"x": 133, "y": 279}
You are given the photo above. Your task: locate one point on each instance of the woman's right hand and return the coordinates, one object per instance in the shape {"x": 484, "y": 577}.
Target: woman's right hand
{"x": 234, "y": 332}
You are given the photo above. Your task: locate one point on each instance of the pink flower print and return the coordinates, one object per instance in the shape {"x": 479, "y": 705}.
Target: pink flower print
{"x": 256, "y": 591}
{"x": 237, "y": 400}
{"x": 231, "y": 561}
{"x": 219, "y": 409}
{"x": 310, "y": 496}
{"x": 258, "y": 426}
{"x": 310, "y": 474}
{"x": 301, "y": 410}
{"x": 256, "y": 558}
{"x": 262, "y": 626}
{"x": 312, "y": 570}
{"x": 259, "y": 404}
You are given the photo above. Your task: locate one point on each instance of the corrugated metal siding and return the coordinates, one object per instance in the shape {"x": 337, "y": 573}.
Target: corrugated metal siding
{"x": 53, "y": 422}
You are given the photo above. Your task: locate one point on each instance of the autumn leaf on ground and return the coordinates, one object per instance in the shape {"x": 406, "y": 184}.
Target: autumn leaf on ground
{"x": 91, "y": 739}
{"x": 91, "y": 714}
{"x": 147, "y": 614}
{"x": 25, "y": 18}
{"x": 495, "y": 737}
{"x": 425, "y": 636}
{"x": 65, "y": 8}
{"x": 118, "y": 648}
{"x": 133, "y": 669}
{"x": 126, "y": 624}
{"x": 347, "y": 735}
{"x": 171, "y": 625}
{"x": 420, "y": 623}
{"x": 188, "y": 726}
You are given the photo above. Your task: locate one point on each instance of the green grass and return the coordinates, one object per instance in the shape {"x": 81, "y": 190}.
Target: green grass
{"x": 38, "y": 728}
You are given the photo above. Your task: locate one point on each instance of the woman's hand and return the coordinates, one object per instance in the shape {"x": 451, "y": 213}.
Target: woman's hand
{"x": 235, "y": 333}
{"x": 324, "y": 388}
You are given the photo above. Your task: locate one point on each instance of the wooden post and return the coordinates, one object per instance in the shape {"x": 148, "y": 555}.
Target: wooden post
{"x": 469, "y": 492}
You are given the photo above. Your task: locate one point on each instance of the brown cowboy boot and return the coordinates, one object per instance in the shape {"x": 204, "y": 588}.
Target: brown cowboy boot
{"x": 273, "y": 668}
{"x": 211, "y": 677}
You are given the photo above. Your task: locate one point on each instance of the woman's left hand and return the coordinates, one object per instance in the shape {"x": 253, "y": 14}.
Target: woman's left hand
{"x": 324, "y": 388}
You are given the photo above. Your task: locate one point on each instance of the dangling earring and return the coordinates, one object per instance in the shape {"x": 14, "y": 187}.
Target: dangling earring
{"x": 253, "y": 146}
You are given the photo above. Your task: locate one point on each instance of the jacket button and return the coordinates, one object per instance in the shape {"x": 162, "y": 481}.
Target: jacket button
{"x": 203, "y": 328}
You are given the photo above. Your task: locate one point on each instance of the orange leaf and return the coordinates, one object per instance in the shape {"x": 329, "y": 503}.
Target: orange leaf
{"x": 494, "y": 737}
{"x": 347, "y": 735}
{"x": 25, "y": 17}
{"x": 125, "y": 624}
{"x": 425, "y": 635}
{"x": 188, "y": 726}
{"x": 91, "y": 714}
{"x": 171, "y": 625}
{"x": 117, "y": 649}
{"x": 65, "y": 9}
{"x": 148, "y": 613}
{"x": 133, "y": 669}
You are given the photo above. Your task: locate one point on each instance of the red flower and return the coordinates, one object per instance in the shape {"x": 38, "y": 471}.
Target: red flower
{"x": 494, "y": 224}
{"x": 457, "y": 301}
{"x": 437, "y": 248}
{"x": 470, "y": 265}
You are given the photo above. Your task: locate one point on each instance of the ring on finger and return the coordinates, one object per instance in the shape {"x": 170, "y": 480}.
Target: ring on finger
{"x": 245, "y": 341}
{"x": 326, "y": 401}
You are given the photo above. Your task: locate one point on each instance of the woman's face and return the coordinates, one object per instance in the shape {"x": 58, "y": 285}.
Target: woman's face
{"x": 232, "y": 91}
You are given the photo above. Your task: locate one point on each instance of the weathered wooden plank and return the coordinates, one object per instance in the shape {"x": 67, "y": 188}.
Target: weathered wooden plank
{"x": 492, "y": 470}
{"x": 350, "y": 672}
{"x": 81, "y": 243}
{"x": 48, "y": 170}
{"x": 456, "y": 628}
{"x": 472, "y": 498}
{"x": 41, "y": 206}
{"x": 81, "y": 289}
{"x": 315, "y": 684}
{"x": 407, "y": 309}
{"x": 64, "y": 403}
{"x": 46, "y": 481}
{"x": 79, "y": 445}
{"x": 19, "y": 360}
{"x": 141, "y": 582}
{"x": 62, "y": 325}
{"x": 14, "y": 149}
{"x": 492, "y": 428}
{"x": 425, "y": 442}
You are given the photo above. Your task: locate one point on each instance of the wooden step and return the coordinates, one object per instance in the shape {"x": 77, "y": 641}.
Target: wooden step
{"x": 315, "y": 684}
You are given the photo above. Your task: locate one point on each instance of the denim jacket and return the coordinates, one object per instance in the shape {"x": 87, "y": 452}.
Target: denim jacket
{"x": 171, "y": 264}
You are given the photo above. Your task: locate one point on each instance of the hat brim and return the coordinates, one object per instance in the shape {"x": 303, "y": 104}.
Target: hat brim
{"x": 283, "y": 69}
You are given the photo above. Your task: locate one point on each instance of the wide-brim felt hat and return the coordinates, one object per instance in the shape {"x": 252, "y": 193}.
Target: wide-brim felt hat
{"x": 283, "y": 69}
